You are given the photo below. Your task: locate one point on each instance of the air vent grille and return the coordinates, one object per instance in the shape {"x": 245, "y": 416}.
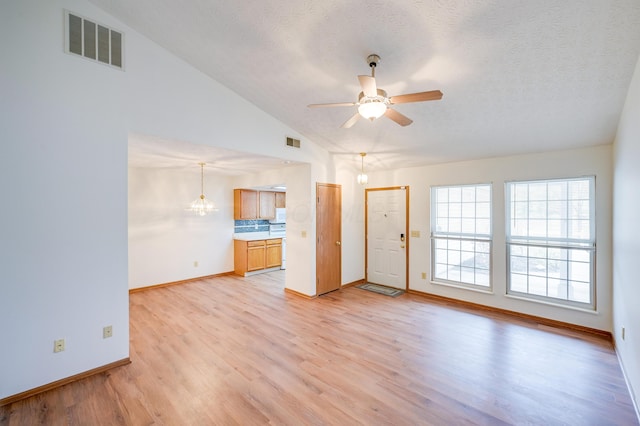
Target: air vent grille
{"x": 293, "y": 142}
{"x": 93, "y": 41}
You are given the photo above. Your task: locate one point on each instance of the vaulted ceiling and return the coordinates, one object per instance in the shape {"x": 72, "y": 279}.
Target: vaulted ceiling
{"x": 517, "y": 76}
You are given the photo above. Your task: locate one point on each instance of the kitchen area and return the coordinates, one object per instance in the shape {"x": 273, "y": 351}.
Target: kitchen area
{"x": 260, "y": 243}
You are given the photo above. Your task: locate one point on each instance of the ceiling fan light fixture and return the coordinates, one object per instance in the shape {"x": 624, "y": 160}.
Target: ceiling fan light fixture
{"x": 372, "y": 109}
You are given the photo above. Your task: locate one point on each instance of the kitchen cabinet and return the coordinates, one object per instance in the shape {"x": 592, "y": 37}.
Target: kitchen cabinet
{"x": 273, "y": 254}
{"x": 254, "y": 256}
{"x": 251, "y": 204}
{"x": 267, "y": 202}
{"x": 245, "y": 204}
{"x": 281, "y": 200}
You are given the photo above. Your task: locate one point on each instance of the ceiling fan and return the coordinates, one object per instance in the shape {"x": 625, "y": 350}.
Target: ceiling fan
{"x": 374, "y": 103}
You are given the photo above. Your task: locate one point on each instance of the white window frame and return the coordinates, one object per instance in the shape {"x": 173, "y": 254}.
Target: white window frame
{"x": 572, "y": 256}
{"x": 457, "y": 239}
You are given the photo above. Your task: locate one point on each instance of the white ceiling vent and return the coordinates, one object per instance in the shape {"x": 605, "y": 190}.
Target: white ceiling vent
{"x": 293, "y": 142}
{"x": 93, "y": 41}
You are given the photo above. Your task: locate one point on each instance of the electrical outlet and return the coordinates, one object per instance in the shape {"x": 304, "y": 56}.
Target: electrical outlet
{"x": 195, "y": 263}
{"x": 304, "y": 234}
{"x": 424, "y": 275}
{"x": 107, "y": 332}
{"x": 58, "y": 345}
{"x": 622, "y": 333}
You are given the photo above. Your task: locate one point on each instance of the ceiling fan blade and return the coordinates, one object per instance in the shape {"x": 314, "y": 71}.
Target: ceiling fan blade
{"x": 368, "y": 84}
{"x": 350, "y": 122}
{"x": 336, "y": 104}
{"x": 401, "y": 119}
{"x": 433, "y": 95}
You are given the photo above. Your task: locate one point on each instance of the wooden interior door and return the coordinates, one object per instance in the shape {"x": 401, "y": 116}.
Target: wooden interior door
{"x": 386, "y": 236}
{"x": 328, "y": 237}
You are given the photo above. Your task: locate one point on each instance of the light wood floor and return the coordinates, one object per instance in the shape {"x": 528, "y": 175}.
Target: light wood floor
{"x": 241, "y": 351}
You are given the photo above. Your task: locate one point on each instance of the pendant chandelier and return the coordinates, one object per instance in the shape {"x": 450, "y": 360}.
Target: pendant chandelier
{"x": 201, "y": 206}
{"x": 363, "y": 179}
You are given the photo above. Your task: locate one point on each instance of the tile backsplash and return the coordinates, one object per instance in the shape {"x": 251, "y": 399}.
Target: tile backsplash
{"x": 253, "y": 225}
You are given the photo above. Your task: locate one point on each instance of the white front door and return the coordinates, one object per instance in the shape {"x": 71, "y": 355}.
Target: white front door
{"x": 387, "y": 237}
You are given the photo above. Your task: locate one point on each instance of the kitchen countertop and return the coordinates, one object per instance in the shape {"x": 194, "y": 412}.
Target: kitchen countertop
{"x": 253, "y": 236}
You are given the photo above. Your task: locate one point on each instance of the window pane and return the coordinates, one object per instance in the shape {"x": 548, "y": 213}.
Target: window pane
{"x": 558, "y": 288}
{"x": 545, "y": 214}
{"x": 579, "y": 292}
{"x": 538, "y": 285}
{"x": 469, "y": 194}
{"x": 442, "y": 194}
{"x": 558, "y": 269}
{"x": 557, "y": 190}
{"x": 455, "y": 195}
{"x": 461, "y": 222}
{"x": 538, "y": 210}
{"x": 468, "y": 226}
{"x": 519, "y": 264}
{"x": 483, "y": 194}
{"x": 483, "y": 226}
{"x": 519, "y": 283}
{"x": 537, "y": 191}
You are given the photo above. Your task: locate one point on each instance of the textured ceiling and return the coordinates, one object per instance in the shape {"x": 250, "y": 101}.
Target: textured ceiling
{"x": 517, "y": 76}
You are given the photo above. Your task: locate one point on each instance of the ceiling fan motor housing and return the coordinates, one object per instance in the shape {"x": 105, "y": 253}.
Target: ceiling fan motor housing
{"x": 373, "y": 60}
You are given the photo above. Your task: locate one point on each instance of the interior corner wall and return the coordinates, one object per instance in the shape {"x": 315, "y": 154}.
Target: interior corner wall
{"x": 626, "y": 238}
{"x": 352, "y": 222}
{"x": 594, "y": 161}
{"x": 168, "y": 243}
{"x": 63, "y": 224}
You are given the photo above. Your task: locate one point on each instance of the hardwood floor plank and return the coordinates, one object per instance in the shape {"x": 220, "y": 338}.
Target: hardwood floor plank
{"x": 236, "y": 351}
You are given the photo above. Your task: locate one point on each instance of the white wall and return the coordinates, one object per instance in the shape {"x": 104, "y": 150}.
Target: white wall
{"x": 590, "y": 161}
{"x": 164, "y": 239}
{"x": 352, "y": 222}
{"x": 64, "y": 176}
{"x": 63, "y": 222}
{"x": 626, "y": 237}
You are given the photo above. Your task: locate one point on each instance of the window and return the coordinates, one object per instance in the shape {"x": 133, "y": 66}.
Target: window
{"x": 551, "y": 240}
{"x": 461, "y": 235}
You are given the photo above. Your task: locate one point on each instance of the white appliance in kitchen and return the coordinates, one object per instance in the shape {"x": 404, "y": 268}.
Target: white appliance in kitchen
{"x": 280, "y": 216}
{"x": 278, "y": 228}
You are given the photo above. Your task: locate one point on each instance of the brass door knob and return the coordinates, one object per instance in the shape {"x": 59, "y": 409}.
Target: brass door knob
{"x": 338, "y": 243}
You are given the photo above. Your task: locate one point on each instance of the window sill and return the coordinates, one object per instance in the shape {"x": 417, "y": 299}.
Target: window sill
{"x": 593, "y": 311}
{"x": 487, "y": 290}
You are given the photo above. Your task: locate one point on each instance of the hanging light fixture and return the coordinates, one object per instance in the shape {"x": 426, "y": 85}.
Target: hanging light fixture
{"x": 362, "y": 177}
{"x": 201, "y": 206}
{"x": 372, "y": 108}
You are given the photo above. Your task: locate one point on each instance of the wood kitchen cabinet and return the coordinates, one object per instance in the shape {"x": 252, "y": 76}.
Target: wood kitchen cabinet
{"x": 245, "y": 204}
{"x": 252, "y": 256}
{"x": 281, "y": 200}
{"x": 251, "y": 204}
{"x": 267, "y": 203}
{"x": 273, "y": 254}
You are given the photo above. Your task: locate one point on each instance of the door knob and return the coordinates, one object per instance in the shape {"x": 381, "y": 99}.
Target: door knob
{"x": 337, "y": 243}
{"x": 401, "y": 245}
